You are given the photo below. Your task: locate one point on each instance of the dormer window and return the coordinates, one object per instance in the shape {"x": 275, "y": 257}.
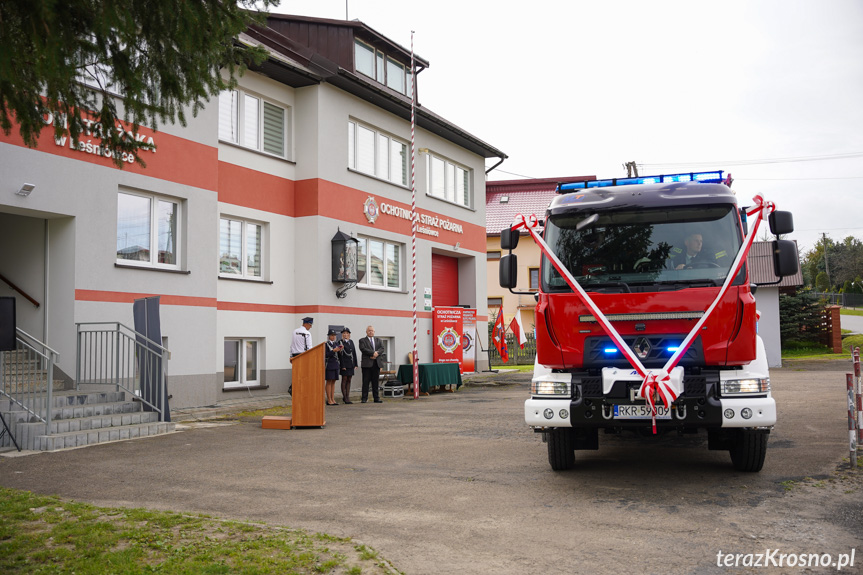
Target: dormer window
{"x": 380, "y": 67}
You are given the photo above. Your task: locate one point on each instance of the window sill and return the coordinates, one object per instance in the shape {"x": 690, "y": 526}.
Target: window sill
{"x": 150, "y": 269}
{"x": 374, "y": 177}
{"x": 450, "y": 202}
{"x": 246, "y": 280}
{"x": 255, "y": 151}
{"x": 245, "y": 388}
{"x": 381, "y": 289}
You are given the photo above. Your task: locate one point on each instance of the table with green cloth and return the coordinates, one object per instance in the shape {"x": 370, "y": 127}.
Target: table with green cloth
{"x": 431, "y": 375}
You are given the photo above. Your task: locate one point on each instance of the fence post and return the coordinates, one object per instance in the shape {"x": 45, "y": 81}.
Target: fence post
{"x": 852, "y": 433}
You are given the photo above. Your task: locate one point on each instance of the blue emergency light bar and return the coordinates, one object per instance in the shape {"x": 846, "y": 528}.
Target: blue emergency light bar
{"x": 714, "y": 177}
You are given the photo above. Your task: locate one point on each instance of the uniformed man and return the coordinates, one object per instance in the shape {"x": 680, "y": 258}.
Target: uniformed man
{"x": 302, "y": 340}
{"x": 692, "y": 255}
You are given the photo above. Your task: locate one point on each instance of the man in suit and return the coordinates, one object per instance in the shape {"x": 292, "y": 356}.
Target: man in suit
{"x": 372, "y": 352}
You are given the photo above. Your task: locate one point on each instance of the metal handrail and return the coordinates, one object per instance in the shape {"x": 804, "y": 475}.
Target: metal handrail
{"x": 9, "y": 283}
{"x": 21, "y": 374}
{"x": 115, "y": 354}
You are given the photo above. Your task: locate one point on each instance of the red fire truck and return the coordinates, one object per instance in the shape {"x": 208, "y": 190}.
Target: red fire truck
{"x": 645, "y": 276}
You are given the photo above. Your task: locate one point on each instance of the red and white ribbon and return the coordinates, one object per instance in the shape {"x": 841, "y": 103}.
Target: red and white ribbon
{"x": 656, "y": 383}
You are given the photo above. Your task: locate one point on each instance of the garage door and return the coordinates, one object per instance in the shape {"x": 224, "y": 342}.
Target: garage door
{"x": 444, "y": 281}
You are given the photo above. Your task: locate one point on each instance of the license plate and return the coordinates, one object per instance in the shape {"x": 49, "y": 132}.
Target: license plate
{"x": 640, "y": 412}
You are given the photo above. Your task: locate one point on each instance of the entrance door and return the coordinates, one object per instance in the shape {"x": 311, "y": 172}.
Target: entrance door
{"x": 444, "y": 281}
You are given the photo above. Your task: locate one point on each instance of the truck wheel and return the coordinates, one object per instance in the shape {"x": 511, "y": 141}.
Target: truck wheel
{"x": 748, "y": 450}
{"x": 561, "y": 449}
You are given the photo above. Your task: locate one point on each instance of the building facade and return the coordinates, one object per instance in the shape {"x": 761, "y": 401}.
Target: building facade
{"x": 231, "y": 221}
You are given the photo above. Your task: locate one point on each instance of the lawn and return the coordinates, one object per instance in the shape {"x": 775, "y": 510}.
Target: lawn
{"x": 41, "y": 534}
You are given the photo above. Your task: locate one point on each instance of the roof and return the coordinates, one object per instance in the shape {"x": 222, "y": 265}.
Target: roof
{"x": 305, "y": 51}
{"x": 760, "y": 262}
{"x": 526, "y": 196}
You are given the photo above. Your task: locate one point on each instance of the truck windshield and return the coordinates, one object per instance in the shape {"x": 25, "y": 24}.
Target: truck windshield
{"x": 643, "y": 249}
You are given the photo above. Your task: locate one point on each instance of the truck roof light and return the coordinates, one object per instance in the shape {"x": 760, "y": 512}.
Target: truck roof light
{"x": 713, "y": 177}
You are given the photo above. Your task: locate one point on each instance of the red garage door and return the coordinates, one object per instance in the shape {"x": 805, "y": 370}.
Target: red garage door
{"x": 444, "y": 281}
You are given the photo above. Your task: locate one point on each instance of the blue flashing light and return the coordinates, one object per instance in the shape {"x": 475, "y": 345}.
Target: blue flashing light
{"x": 714, "y": 177}
{"x": 610, "y": 350}
{"x": 672, "y": 348}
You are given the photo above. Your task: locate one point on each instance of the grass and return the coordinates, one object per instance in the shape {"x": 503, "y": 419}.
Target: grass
{"x": 849, "y": 311}
{"x": 40, "y": 534}
{"x": 797, "y": 350}
{"x": 522, "y": 368}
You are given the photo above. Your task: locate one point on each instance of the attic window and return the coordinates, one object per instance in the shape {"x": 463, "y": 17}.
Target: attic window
{"x": 380, "y": 67}
{"x": 504, "y": 199}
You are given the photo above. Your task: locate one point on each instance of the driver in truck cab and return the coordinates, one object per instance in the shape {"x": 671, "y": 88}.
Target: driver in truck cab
{"x": 691, "y": 255}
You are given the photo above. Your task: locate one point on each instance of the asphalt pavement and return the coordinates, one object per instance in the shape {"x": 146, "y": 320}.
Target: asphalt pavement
{"x": 456, "y": 483}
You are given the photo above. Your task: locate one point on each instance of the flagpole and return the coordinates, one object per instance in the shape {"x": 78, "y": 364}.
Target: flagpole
{"x": 416, "y": 360}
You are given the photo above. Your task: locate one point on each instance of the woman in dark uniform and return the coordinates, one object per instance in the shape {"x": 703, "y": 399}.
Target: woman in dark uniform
{"x": 348, "y": 359}
{"x": 331, "y": 358}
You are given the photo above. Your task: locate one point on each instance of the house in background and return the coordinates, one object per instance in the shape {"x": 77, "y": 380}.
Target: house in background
{"x": 760, "y": 263}
{"x": 504, "y": 200}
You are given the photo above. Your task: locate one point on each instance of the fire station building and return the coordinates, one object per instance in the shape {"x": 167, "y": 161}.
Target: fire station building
{"x": 232, "y": 222}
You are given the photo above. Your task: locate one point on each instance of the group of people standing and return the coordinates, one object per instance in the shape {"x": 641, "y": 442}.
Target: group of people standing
{"x": 341, "y": 359}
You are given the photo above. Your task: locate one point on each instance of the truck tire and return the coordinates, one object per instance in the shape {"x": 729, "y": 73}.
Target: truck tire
{"x": 561, "y": 449}
{"x": 748, "y": 449}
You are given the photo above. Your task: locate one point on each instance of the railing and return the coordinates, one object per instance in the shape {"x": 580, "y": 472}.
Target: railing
{"x": 854, "y": 300}
{"x": 27, "y": 378}
{"x": 110, "y": 353}
{"x": 5, "y": 280}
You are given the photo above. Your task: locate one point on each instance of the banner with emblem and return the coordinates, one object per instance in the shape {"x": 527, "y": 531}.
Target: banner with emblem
{"x": 447, "y": 331}
{"x": 468, "y": 340}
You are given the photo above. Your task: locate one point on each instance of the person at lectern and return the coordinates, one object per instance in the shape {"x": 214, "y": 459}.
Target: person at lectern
{"x": 331, "y": 357}
{"x": 348, "y": 361}
{"x": 302, "y": 340}
{"x": 372, "y": 351}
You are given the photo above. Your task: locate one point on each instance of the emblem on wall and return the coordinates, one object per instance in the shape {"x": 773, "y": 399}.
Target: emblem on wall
{"x": 448, "y": 340}
{"x": 371, "y": 210}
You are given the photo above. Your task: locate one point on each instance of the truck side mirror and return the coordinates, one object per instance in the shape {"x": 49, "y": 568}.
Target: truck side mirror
{"x": 508, "y": 271}
{"x": 508, "y": 239}
{"x": 781, "y": 223}
{"x": 786, "y": 262}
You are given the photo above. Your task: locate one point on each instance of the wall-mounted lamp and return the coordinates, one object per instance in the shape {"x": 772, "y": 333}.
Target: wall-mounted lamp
{"x": 457, "y": 246}
{"x": 423, "y": 151}
{"x": 26, "y": 189}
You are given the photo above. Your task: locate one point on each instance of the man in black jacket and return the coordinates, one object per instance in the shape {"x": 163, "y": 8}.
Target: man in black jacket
{"x": 372, "y": 352}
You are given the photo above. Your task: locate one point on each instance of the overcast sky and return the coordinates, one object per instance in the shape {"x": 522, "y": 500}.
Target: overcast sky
{"x": 572, "y": 88}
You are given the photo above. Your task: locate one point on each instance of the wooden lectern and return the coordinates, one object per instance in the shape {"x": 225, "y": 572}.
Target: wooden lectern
{"x": 307, "y": 397}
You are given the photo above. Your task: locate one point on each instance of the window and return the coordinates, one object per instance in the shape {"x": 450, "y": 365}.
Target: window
{"x": 491, "y": 256}
{"x": 379, "y": 263}
{"x": 240, "y": 248}
{"x": 377, "y": 154}
{"x": 242, "y": 362}
{"x": 251, "y": 122}
{"x": 147, "y": 230}
{"x": 534, "y": 278}
{"x": 384, "y": 69}
{"x": 495, "y": 302}
{"x": 448, "y": 181}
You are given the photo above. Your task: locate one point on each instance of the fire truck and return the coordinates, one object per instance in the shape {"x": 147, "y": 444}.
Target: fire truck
{"x": 643, "y": 282}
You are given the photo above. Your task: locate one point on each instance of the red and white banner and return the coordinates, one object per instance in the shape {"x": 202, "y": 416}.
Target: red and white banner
{"x": 468, "y": 340}
{"x": 447, "y": 329}
{"x": 498, "y": 336}
{"x": 656, "y": 382}
{"x": 518, "y": 330}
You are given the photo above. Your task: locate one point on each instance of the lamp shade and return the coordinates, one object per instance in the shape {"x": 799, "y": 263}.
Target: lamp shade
{"x": 344, "y": 258}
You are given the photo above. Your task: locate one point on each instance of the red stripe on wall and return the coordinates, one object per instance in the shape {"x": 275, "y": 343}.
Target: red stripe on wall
{"x": 175, "y": 159}
{"x": 252, "y": 189}
{"x": 123, "y": 297}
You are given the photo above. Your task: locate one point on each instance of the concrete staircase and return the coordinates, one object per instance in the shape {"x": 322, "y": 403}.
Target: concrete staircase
{"x": 80, "y": 418}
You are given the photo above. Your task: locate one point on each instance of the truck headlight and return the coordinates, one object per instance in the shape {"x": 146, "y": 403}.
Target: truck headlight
{"x": 752, "y": 386}
{"x": 561, "y": 388}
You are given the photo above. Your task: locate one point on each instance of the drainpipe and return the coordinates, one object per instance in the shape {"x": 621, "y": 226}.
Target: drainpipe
{"x": 496, "y": 165}
{"x": 45, "y": 304}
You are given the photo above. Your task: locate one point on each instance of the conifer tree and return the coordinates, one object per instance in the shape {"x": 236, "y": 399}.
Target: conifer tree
{"x": 80, "y": 62}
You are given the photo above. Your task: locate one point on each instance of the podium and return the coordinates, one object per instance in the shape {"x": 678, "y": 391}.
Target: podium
{"x": 307, "y": 396}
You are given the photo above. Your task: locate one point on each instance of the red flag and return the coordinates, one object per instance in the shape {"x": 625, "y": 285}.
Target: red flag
{"x": 499, "y": 337}
{"x": 516, "y": 328}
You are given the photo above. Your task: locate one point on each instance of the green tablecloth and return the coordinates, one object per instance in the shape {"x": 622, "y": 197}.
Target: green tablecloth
{"x": 431, "y": 374}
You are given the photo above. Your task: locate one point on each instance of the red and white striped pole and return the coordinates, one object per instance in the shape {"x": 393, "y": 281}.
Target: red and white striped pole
{"x": 416, "y": 360}
{"x": 859, "y": 392}
{"x": 852, "y": 433}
